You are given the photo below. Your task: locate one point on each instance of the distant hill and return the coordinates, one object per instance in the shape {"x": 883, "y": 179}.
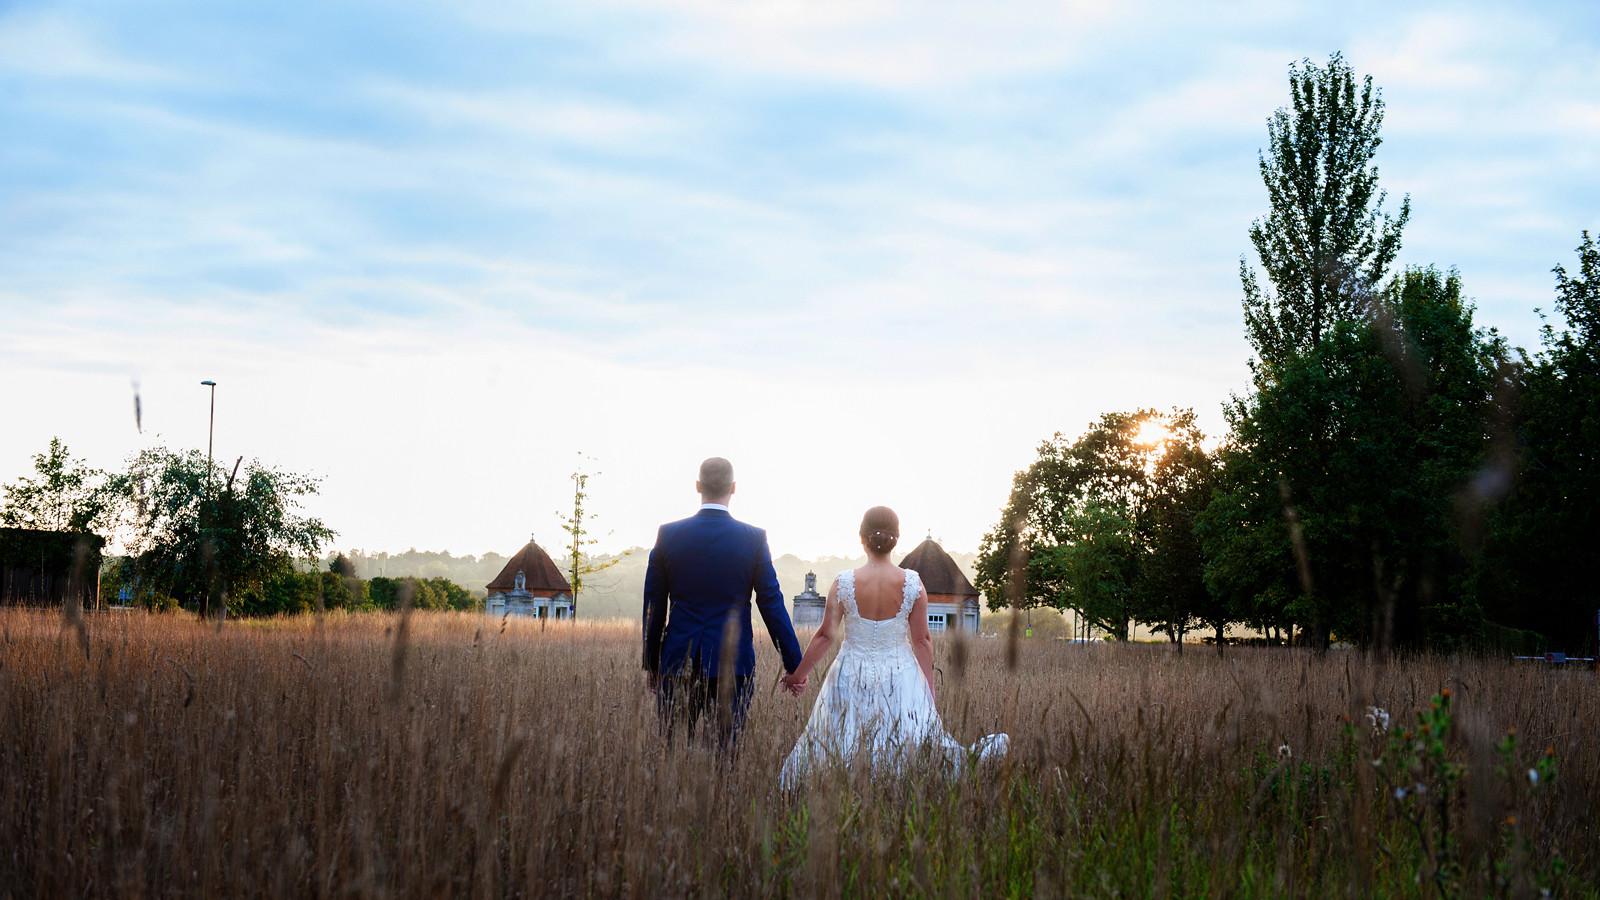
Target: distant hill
{"x": 617, "y": 592}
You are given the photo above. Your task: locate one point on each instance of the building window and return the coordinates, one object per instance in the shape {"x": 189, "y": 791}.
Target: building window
{"x": 936, "y": 622}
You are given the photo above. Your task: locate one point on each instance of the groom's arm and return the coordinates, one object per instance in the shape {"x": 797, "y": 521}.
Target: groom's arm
{"x": 655, "y": 605}
{"x": 769, "y": 599}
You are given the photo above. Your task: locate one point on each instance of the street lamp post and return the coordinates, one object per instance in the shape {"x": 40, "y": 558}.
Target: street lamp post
{"x": 211, "y": 429}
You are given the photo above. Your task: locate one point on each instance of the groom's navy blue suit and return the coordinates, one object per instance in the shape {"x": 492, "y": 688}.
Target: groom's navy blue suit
{"x": 702, "y": 572}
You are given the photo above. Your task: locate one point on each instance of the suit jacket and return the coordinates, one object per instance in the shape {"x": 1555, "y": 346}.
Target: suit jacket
{"x": 703, "y": 569}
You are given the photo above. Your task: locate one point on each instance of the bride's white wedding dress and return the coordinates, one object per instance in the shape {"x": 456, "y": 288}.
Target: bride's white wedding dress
{"x": 875, "y": 703}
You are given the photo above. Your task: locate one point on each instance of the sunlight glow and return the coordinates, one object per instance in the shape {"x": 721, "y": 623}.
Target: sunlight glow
{"x": 1152, "y": 432}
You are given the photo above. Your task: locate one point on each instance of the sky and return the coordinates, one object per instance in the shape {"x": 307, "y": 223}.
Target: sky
{"x": 443, "y": 255}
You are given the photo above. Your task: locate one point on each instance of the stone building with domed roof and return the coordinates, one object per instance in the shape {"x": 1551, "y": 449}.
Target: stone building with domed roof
{"x": 531, "y": 585}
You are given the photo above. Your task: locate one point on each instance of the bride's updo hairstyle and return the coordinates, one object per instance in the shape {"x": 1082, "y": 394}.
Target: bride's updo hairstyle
{"x": 880, "y": 529}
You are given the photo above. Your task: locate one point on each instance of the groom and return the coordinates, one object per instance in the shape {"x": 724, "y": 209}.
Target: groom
{"x": 700, "y": 659}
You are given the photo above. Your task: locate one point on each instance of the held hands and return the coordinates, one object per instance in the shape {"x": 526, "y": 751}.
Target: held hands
{"x": 793, "y": 683}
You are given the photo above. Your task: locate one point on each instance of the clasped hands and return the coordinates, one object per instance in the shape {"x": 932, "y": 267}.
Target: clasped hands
{"x": 793, "y": 683}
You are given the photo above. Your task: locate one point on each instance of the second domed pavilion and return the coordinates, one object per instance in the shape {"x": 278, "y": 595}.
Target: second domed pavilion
{"x": 531, "y": 585}
{"x": 952, "y": 600}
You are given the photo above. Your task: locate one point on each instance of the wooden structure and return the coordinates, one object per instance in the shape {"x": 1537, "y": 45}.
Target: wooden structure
{"x": 531, "y": 585}
{"x": 49, "y": 568}
{"x": 952, "y": 600}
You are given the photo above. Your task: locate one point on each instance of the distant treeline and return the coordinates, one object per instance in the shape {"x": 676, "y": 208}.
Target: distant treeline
{"x": 290, "y": 591}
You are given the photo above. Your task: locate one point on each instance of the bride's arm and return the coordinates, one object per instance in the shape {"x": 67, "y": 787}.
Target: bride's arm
{"x": 921, "y": 637}
{"x": 832, "y": 612}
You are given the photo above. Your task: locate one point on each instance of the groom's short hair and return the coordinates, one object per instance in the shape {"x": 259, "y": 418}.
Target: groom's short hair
{"x": 716, "y": 477}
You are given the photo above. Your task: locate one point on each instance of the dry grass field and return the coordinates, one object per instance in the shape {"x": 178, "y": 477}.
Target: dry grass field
{"x": 447, "y": 754}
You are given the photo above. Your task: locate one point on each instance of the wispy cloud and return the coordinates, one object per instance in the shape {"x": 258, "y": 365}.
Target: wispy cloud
{"x": 534, "y": 115}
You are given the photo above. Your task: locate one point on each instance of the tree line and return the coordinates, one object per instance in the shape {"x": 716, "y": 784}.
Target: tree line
{"x": 201, "y": 535}
{"x": 1395, "y": 476}
{"x": 233, "y": 541}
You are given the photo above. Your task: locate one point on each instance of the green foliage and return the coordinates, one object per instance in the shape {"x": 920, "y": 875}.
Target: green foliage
{"x": 1105, "y": 466}
{"x": 385, "y": 592}
{"x": 1325, "y": 244}
{"x": 67, "y": 495}
{"x": 1093, "y": 570}
{"x": 341, "y": 591}
{"x": 1527, "y": 573}
{"x": 1104, "y": 525}
{"x": 1425, "y": 783}
{"x": 291, "y": 591}
{"x": 1428, "y": 786}
{"x": 286, "y": 591}
{"x": 1340, "y": 506}
{"x": 199, "y": 533}
{"x": 54, "y": 552}
{"x": 422, "y": 593}
{"x": 118, "y": 573}
{"x": 1171, "y": 590}
{"x": 1249, "y": 563}
{"x": 1364, "y": 442}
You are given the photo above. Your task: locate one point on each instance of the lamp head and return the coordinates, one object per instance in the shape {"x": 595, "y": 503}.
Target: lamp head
{"x": 209, "y": 383}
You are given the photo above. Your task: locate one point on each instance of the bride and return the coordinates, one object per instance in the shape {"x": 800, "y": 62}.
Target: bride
{"x": 877, "y": 699}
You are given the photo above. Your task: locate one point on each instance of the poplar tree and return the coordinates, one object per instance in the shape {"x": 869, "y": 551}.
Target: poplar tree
{"x": 1326, "y": 244}
{"x": 579, "y": 562}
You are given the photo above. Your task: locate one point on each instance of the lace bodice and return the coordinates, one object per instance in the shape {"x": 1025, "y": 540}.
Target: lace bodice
{"x": 867, "y": 636}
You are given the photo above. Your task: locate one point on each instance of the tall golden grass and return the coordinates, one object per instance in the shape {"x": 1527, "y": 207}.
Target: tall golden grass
{"x": 450, "y": 754}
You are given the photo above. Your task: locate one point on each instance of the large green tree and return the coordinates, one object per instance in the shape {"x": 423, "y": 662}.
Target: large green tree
{"x": 1368, "y": 400}
{"x": 1093, "y": 569}
{"x": 1104, "y": 465}
{"x": 1171, "y": 591}
{"x": 1245, "y": 538}
{"x": 1103, "y": 525}
{"x": 1340, "y": 513}
{"x": 202, "y": 533}
{"x": 1326, "y": 244}
{"x": 1537, "y": 567}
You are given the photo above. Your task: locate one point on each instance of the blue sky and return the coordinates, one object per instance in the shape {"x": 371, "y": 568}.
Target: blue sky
{"x": 872, "y": 252}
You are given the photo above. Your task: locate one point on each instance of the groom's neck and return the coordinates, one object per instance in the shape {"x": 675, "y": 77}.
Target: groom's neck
{"x": 720, "y": 501}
